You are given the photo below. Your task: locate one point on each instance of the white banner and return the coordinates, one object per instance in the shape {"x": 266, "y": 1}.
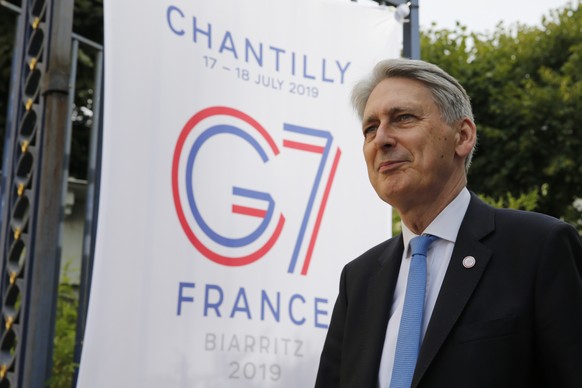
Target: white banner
{"x": 233, "y": 188}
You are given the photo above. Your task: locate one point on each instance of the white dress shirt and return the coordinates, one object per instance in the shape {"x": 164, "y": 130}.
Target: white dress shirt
{"x": 446, "y": 227}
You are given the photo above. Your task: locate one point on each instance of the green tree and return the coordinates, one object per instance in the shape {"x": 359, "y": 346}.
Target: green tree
{"x": 65, "y": 331}
{"x": 526, "y": 90}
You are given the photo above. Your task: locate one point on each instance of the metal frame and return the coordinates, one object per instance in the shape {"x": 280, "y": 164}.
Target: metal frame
{"x": 91, "y": 207}
{"x": 30, "y": 233}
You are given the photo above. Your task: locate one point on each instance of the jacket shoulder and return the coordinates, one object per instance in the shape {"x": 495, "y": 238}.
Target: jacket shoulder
{"x": 528, "y": 221}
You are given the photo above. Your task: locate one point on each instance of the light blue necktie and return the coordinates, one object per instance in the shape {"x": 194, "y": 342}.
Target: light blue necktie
{"x": 408, "y": 342}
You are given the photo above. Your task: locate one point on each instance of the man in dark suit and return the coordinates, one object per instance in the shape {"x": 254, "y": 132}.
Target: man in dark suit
{"x": 503, "y": 292}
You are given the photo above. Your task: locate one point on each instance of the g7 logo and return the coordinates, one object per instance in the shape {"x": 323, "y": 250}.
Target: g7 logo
{"x": 260, "y": 236}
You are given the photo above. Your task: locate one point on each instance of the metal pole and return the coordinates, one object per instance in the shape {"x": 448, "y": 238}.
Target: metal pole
{"x": 44, "y": 271}
{"x": 91, "y": 210}
{"x": 411, "y": 33}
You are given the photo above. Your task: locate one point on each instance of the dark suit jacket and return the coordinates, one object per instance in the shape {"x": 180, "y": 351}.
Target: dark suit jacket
{"x": 512, "y": 320}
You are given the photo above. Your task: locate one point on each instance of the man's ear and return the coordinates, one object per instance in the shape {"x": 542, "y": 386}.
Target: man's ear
{"x": 466, "y": 137}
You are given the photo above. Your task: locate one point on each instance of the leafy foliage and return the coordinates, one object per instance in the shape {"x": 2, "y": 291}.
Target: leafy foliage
{"x": 526, "y": 201}
{"x": 526, "y": 90}
{"x": 65, "y": 332}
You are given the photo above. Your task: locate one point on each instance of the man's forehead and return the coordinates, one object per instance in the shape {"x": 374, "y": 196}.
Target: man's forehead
{"x": 400, "y": 104}
{"x": 397, "y": 94}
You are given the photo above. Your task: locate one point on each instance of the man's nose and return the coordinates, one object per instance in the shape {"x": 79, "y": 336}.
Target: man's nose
{"x": 384, "y": 137}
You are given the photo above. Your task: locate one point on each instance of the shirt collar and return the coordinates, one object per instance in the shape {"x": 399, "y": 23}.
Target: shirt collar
{"x": 447, "y": 224}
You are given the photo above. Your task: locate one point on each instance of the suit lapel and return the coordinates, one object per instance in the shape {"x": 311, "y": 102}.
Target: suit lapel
{"x": 378, "y": 303}
{"x": 459, "y": 282}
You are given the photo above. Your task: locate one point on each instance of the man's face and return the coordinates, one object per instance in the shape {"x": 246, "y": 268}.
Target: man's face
{"x": 410, "y": 151}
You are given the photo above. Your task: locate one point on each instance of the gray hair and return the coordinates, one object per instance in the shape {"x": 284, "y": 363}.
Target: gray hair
{"x": 448, "y": 94}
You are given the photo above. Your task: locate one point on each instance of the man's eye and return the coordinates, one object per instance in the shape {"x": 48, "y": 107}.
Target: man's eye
{"x": 405, "y": 117}
{"x": 369, "y": 130}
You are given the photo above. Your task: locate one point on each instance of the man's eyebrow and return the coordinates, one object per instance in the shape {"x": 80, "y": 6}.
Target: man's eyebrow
{"x": 392, "y": 111}
{"x": 369, "y": 119}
